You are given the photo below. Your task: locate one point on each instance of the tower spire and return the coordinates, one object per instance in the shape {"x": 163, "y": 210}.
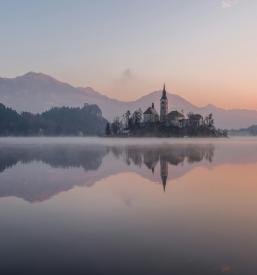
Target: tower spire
{"x": 164, "y": 91}
{"x": 163, "y": 105}
{"x": 164, "y": 171}
{"x": 164, "y": 183}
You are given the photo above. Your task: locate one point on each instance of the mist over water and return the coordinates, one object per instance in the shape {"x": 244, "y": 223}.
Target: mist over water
{"x": 128, "y": 206}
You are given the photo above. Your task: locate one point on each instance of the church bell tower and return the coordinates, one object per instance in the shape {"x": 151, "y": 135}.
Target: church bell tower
{"x": 163, "y": 105}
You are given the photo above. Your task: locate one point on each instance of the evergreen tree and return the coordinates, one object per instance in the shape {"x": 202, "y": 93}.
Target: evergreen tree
{"x": 107, "y": 129}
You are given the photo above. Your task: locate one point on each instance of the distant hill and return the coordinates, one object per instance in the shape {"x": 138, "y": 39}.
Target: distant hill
{"x": 37, "y": 92}
{"x": 250, "y": 131}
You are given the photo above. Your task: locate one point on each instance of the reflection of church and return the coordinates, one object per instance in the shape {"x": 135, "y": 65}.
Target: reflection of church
{"x": 151, "y": 160}
{"x": 164, "y": 171}
{"x": 174, "y": 155}
{"x": 163, "y": 156}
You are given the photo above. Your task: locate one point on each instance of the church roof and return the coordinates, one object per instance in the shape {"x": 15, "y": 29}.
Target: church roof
{"x": 150, "y": 111}
{"x": 195, "y": 116}
{"x": 164, "y": 94}
{"x": 174, "y": 114}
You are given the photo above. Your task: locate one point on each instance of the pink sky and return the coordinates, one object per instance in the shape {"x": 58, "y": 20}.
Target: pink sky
{"x": 204, "y": 50}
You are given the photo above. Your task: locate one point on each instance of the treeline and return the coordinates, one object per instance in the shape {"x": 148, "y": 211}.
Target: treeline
{"x": 58, "y": 121}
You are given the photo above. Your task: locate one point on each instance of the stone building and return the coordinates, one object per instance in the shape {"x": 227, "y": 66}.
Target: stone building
{"x": 151, "y": 115}
{"x": 175, "y": 118}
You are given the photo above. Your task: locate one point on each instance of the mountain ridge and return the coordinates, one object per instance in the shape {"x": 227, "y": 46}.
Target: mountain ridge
{"x": 38, "y": 92}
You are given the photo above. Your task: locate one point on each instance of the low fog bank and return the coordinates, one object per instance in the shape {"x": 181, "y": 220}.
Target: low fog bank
{"x": 123, "y": 141}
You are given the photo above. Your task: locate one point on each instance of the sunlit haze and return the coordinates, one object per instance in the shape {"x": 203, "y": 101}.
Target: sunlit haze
{"x": 204, "y": 50}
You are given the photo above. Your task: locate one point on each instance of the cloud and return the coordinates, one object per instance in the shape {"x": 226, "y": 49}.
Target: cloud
{"x": 228, "y": 3}
{"x": 126, "y": 81}
{"x": 127, "y": 74}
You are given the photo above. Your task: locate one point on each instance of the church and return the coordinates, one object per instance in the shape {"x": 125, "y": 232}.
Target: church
{"x": 173, "y": 118}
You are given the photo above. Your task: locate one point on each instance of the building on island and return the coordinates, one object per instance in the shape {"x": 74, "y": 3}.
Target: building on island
{"x": 151, "y": 115}
{"x": 195, "y": 120}
{"x": 173, "y": 118}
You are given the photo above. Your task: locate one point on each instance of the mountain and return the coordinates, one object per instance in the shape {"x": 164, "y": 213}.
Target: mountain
{"x": 37, "y": 92}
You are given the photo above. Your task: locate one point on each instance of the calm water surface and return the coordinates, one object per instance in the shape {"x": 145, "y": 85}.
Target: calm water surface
{"x": 147, "y": 206}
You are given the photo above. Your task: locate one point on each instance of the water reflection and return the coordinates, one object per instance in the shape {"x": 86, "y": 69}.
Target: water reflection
{"x": 120, "y": 220}
{"x": 32, "y": 172}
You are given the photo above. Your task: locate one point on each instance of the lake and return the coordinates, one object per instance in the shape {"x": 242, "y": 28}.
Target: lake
{"x": 128, "y": 206}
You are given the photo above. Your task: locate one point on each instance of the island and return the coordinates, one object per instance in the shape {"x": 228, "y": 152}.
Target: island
{"x": 166, "y": 124}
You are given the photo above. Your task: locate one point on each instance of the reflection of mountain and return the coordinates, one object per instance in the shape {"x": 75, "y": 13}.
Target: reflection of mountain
{"x": 24, "y": 172}
{"x": 37, "y": 172}
{"x": 57, "y": 156}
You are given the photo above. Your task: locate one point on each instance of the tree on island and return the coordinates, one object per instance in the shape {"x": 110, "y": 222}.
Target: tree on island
{"x": 137, "y": 117}
{"x": 126, "y": 118}
{"x": 116, "y": 126}
{"x": 108, "y": 129}
{"x": 209, "y": 121}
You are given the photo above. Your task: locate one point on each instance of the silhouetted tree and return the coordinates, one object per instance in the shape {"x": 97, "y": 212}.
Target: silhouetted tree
{"x": 116, "y": 126}
{"x": 137, "y": 117}
{"x": 107, "y": 129}
{"x": 126, "y": 118}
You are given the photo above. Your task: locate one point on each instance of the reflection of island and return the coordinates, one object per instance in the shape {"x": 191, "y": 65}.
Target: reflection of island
{"x": 164, "y": 155}
{"x": 38, "y": 172}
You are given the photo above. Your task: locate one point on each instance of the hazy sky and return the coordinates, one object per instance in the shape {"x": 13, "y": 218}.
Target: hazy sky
{"x": 205, "y": 50}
